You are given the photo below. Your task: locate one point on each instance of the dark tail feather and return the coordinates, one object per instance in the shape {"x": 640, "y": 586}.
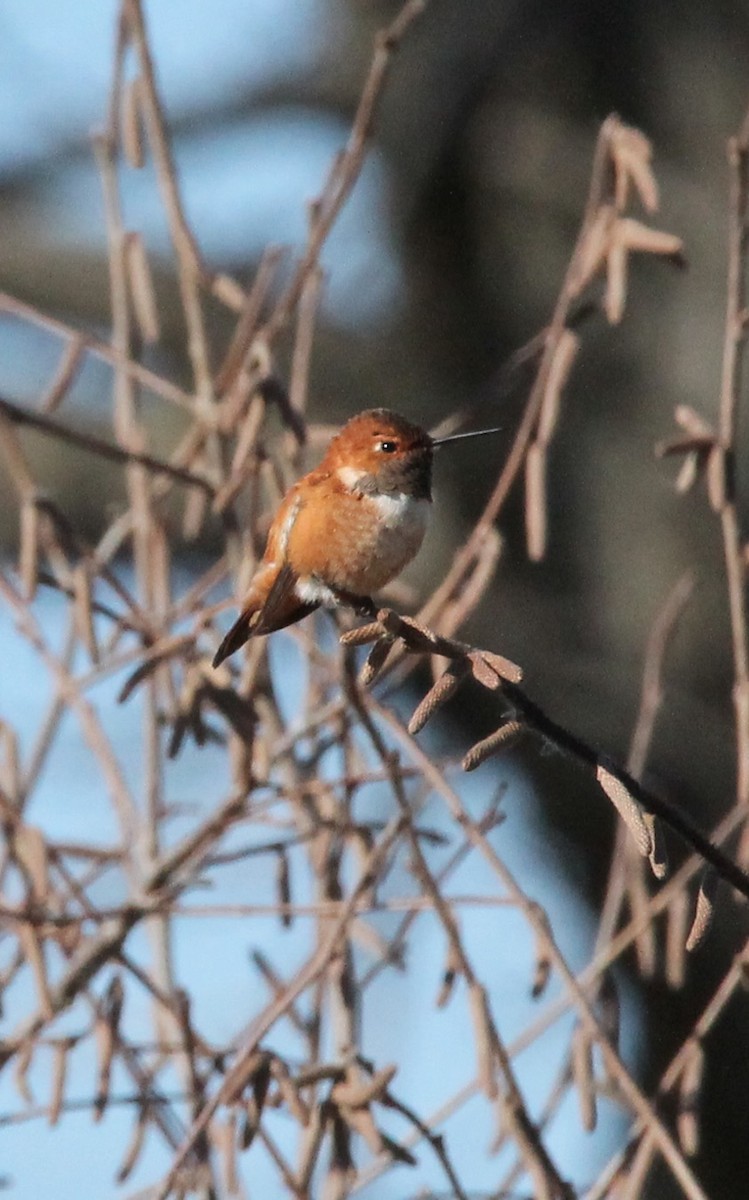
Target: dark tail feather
{"x": 280, "y": 608}
{"x": 239, "y": 633}
{"x": 256, "y": 623}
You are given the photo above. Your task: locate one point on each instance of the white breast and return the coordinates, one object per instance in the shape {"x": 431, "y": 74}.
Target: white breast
{"x": 402, "y": 512}
{"x": 381, "y": 548}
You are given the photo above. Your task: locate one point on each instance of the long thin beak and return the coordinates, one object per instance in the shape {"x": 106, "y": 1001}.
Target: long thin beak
{"x": 457, "y": 437}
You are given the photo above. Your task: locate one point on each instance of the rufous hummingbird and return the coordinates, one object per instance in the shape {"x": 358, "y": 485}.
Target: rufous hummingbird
{"x": 346, "y": 529}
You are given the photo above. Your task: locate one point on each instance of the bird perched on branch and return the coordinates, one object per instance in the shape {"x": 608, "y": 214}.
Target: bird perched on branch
{"x": 346, "y": 529}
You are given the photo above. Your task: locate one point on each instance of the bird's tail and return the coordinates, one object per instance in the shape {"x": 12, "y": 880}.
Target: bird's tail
{"x": 267, "y": 607}
{"x": 240, "y": 632}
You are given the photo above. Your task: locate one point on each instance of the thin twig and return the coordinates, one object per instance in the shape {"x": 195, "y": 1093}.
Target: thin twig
{"x": 95, "y": 445}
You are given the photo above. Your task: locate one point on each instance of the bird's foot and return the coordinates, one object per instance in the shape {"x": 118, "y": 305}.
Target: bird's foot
{"x": 363, "y": 606}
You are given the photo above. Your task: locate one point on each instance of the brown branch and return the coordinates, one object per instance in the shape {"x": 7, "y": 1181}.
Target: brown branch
{"x": 303, "y": 979}
{"x": 149, "y": 380}
{"x": 280, "y": 772}
{"x": 95, "y": 445}
{"x": 733, "y": 547}
{"x": 539, "y": 922}
{"x": 417, "y": 639}
{"x": 347, "y": 167}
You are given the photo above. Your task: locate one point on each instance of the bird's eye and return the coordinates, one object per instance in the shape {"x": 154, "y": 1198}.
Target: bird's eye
{"x": 387, "y": 447}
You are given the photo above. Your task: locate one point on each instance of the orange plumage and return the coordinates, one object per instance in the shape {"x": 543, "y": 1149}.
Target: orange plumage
{"x": 344, "y": 530}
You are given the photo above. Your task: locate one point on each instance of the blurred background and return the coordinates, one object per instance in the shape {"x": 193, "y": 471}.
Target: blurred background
{"x": 448, "y": 256}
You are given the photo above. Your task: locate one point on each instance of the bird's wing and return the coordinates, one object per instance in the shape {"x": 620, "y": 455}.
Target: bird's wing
{"x": 260, "y": 615}
{"x": 272, "y": 602}
{"x": 282, "y": 606}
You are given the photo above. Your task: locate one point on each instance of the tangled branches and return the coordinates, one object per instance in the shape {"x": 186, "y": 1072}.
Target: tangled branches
{"x": 291, "y": 788}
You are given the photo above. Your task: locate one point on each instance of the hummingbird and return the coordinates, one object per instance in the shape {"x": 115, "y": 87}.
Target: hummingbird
{"x": 346, "y": 529}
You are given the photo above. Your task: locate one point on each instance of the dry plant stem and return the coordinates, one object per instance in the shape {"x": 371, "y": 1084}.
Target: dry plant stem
{"x": 588, "y": 979}
{"x": 278, "y": 768}
{"x": 126, "y": 1099}
{"x": 554, "y": 332}
{"x": 174, "y": 871}
{"x": 90, "y": 725}
{"x": 542, "y": 929}
{"x": 309, "y": 302}
{"x": 145, "y": 851}
{"x": 412, "y": 905}
{"x": 165, "y": 389}
{"x": 557, "y": 1095}
{"x": 70, "y": 364}
{"x": 418, "y": 639}
{"x": 303, "y": 979}
{"x": 346, "y": 168}
{"x": 734, "y": 347}
{"x": 651, "y": 699}
{"x": 141, "y": 526}
{"x": 89, "y": 442}
{"x": 163, "y": 1115}
{"x": 723, "y": 497}
{"x": 191, "y": 267}
{"x": 734, "y": 981}
{"x": 606, "y": 956}
{"x": 49, "y": 726}
{"x": 652, "y": 690}
{"x": 398, "y": 938}
{"x": 344, "y": 1004}
{"x": 548, "y": 1183}
{"x": 436, "y": 1141}
{"x": 657, "y": 904}
{"x": 240, "y": 346}
{"x": 733, "y": 352}
{"x": 675, "y": 818}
